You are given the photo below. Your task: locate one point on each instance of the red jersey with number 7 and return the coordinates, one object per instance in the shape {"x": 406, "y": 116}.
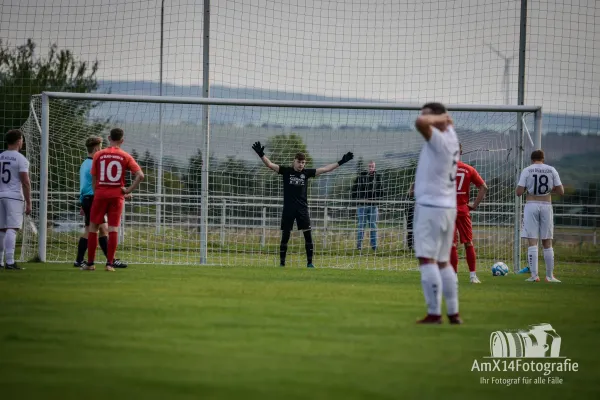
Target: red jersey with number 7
{"x": 109, "y": 167}
{"x": 465, "y": 176}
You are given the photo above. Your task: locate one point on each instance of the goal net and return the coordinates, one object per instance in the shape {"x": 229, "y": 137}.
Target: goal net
{"x": 163, "y": 222}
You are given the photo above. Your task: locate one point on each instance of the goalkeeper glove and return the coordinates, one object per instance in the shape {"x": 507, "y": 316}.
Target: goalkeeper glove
{"x": 260, "y": 150}
{"x": 347, "y": 157}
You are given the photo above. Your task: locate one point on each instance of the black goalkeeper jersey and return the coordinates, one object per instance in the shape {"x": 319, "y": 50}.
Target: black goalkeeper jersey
{"x": 295, "y": 187}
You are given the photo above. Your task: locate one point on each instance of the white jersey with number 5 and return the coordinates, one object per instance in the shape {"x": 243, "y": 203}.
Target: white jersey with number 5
{"x": 435, "y": 184}
{"x": 539, "y": 179}
{"x": 11, "y": 164}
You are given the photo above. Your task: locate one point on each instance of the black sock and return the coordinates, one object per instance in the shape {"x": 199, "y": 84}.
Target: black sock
{"x": 285, "y": 237}
{"x": 308, "y": 245}
{"x": 81, "y": 248}
{"x": 103, "y": 241}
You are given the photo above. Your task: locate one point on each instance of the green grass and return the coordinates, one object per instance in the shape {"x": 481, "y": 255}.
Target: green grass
{"x": 175, "y": 332}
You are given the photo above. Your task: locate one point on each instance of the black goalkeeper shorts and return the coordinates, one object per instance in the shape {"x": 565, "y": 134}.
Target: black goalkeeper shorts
{"x": 300, "y": 216}
{"x": 86, "y": 205}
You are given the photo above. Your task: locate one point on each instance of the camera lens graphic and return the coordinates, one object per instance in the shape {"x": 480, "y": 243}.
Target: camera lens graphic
{"x": 510, "y": 344}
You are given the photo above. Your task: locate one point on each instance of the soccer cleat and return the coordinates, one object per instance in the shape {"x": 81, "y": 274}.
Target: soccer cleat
{"x": 455, "y": 319}
{"x": 87, "y": 266}
{"x": 282, "y": 264}
{"x": 525, "y": 270}
{"x": 552, "y": 280}
{"x": 78, "y": 264}
{"x": 109, "y": 268}
{"x": 533, "y": 279}
{"x": 310, "y": 265}
{"x": 474, "y": 279}
{"x": 431, "y": 319}
{"x": 12, "y": 266}
{"x": 119, "y": 264}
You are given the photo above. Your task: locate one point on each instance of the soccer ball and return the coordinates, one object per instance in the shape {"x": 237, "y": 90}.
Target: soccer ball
{"x": 499, "y": 269}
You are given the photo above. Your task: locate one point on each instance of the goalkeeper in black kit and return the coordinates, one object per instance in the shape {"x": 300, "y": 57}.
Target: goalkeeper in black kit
{"x": 295, "y": 203}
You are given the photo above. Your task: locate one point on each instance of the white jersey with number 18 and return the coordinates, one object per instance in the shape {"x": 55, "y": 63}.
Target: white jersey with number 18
{"x": 11, "y": 164}
{"x": 539, "y": 179}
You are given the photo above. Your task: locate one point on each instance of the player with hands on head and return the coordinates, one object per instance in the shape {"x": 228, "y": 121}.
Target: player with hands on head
{"x": 435, "y": 211}
{"x": 295, "y": 202}
{"x": 540, "y": 180}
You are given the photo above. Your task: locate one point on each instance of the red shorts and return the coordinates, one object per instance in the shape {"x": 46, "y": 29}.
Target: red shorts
{"x": 111, "y": 206}
{"x": 464, "y": 228}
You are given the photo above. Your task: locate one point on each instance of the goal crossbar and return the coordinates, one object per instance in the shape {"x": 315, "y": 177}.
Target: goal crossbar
{"x": 283, "y": 103}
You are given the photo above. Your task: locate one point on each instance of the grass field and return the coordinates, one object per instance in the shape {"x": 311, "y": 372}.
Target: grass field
{"x": 156, "y": 332}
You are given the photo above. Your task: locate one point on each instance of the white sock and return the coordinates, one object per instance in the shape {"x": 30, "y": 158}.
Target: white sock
{"x": 2, "y": 234}
{"x": 549, "y": 258}
{"x": 431, "y": 281}
{"x": 473, "y": 274}
{"x": 532, "y": 260}
{"x": 450, "y": 289}
{"x": 10, "y": 241}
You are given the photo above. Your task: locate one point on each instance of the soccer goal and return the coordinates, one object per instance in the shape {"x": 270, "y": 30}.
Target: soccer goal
{"x": 208, "y": 199}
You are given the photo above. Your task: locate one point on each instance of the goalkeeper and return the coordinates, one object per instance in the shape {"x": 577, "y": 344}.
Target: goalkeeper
{"x": 295, "y": 203}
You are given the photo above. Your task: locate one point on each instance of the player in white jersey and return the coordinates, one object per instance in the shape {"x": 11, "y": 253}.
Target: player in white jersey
{"x": 435, "y": 212}
{"x": 15, "y": 189}
{"x": 540, "y": 181}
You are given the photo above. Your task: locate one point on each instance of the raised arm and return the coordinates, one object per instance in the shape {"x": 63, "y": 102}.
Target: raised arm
{"x": 260, "y": 150}
{"x": 425, "y": 122}
{"x": 328, "y": 168}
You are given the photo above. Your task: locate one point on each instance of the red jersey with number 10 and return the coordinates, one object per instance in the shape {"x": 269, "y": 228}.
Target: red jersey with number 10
{"x": 108, "y": 167}
{"x": 465, "y": 176}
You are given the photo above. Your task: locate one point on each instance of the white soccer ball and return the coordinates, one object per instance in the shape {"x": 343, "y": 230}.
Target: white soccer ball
{"x": 499, "y": 269}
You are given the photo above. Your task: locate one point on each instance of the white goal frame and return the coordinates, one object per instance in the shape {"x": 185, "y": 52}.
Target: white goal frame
{"x": 207, "y": 101}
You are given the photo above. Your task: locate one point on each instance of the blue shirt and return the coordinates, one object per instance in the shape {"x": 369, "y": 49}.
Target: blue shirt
{"x": 85, "y": 179}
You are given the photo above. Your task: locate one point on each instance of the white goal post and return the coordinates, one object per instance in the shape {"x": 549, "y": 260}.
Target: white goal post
{"x": 496, "y": 136}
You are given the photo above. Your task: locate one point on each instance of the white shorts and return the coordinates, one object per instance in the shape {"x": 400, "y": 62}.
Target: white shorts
{"x": 11, "y": 213}
{"x": 434, "y": 232}
{"x": 538, "y": 220}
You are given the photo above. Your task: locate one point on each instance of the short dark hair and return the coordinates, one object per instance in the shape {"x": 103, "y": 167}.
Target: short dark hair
{"x": 537, "y": 155}
{"x": 92, "y": 142}
{"x": 13, "y": 136}
{"x": 300, "y": 156}
{"x": 436, "y": 108}
{"x": 116, "y": 134}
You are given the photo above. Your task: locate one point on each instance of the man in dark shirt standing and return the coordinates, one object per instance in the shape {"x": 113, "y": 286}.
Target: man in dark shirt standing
{"x": 366, "y": 190}
{"x": 295, "y": 203}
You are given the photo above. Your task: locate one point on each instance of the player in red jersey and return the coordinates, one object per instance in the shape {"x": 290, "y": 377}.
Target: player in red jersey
{"x": 465, "y": 176}
{"x": 108, "y": 177}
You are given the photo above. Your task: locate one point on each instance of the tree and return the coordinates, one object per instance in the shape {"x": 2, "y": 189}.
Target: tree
{"x": 360, "y": 165}
{"x": 281, "y": 149}
{"x": 147, "y": 161}
{"x": 22, "y": 75}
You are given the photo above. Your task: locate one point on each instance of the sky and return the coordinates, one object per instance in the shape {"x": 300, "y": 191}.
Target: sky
{"x": 382, "y": 50}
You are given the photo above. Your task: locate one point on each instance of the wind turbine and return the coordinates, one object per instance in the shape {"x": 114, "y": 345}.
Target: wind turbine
{"x": 506, "y": 76}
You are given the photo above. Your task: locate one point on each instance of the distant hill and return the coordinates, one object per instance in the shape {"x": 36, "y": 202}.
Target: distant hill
{"x": 552, "y": 122}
